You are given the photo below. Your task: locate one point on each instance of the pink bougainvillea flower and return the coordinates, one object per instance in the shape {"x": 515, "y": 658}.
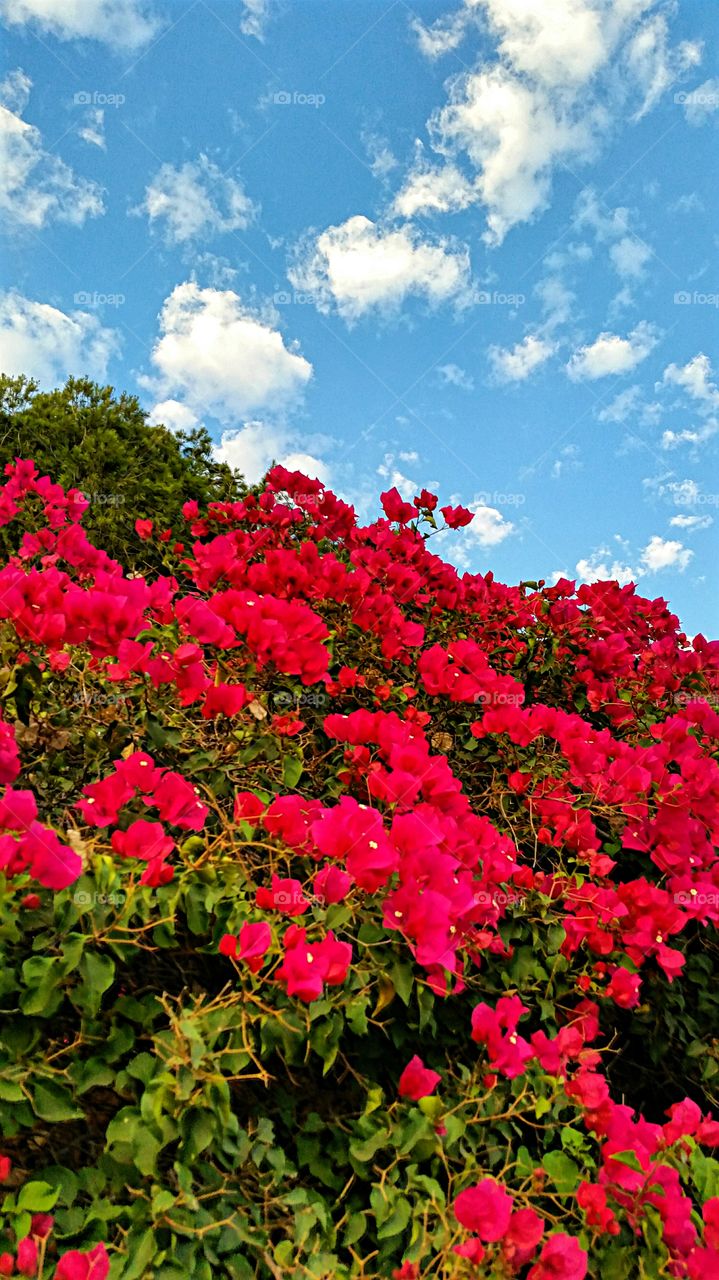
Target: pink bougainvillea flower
{"x": 457, "y": 517}
{"x": 562, "y": 1258}
{"x": 306, "y": 967}
{"x": 472, "y": 1249}
{"x": 331, "y": 885}
{"x": 224, "y": 700}
{"x": 395, "y": 508}
{"x": 94, "y": 1265}
{"x": 485, "y": 1208}
{"x": 286, "y": 896}
{"x": 143, "y": 839}
{"x": 143, "y": 529}
{"x": 254, "y": 941}
{"x": 417, "y": 1081}
{"x": 710, "y": 1214}
{"x": 408, "y": 1271}
{"x": 178, "y": 803}
{"x": 27, "y": 1256}
{"x": 624, "y": 988}
{"x": 18, "y": 810}
{"x": 5, "y": 1167}
{"x": 522, "y": 1236}
{"x": 248, "y": 807}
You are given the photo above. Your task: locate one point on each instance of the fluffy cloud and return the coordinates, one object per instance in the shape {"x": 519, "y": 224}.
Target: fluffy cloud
{"x": 218, "y": 356}
{"x": 599, "y": 568}
{"x": 489, "y": 527}
{"x": 256, "y": 445}
{"x": 195, "y": 201}
{"x": 691, "y": 522}
{"x": 700, "y": 104}
{"x": 454, "y": 376}
{"x": 37, "y": 187}
{"x": 93, "y": 129}
{"x": 431, "y": 189}
{"x": 565, "y": 71}
{"x": 610, "y": 354}
{"x": 172, "y": 414}
{"x": 661, "y": 553}
{"x": 620, "y": 408}
{"x": 627, "y": 252}
{"x": 255, "y": 17}
{"x": 48, "y": 344}
{"x": 695, "y": 377}
{"x": 128, "y": 24}
{"x": 359, "y": 267}
{"x": 516, "y": 363}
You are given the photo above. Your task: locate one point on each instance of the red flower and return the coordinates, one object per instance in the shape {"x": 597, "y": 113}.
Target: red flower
{"x": 562, "y": 1258}
{"x": 225, "y": 700}
{"x": 285, "y": 896}
{"x": 143, "y": 529}
{"x": 254, "y": 941}
{"x": 27, "y": 1257}
{"x": 523, "y": 1234}
{"x": 457, "y": 517}
{"x": 306, "y": 968}
{"x": 248, "y": 807}
{"x": 5, "y": 1167}
{"x": 94, "y": 1265}
{"x": 485, "y": 1208}
{"x": 417, "y": 1081}
{"x": 332, "y": 885}
{"x": 394, "y": 507}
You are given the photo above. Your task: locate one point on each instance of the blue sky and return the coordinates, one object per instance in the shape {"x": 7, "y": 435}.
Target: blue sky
{"x": 467, "y": 246}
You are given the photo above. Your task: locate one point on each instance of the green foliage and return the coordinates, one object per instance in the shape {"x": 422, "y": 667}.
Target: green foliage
{"x": 86, "y": 437}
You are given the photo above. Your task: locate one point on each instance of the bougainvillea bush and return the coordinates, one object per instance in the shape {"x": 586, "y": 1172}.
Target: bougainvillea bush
{"x": 358, "y": 917}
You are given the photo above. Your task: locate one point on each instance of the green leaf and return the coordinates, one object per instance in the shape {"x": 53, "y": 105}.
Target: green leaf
{"x": 53, "y": 1102}
{"x": 37, "y": 1197}
{"x": 562, "y": 1170}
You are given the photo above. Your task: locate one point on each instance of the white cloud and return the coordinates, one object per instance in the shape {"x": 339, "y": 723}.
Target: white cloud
{"x": 456, "y": 376}
{"x": 620, "y": 408}
{"x": 93, "y": 130}
{"x": 654, "y": 64}
{"x": 516, "y": 363}
{"x": 128, "y": 24}
{"x": 172, "y": 414}
{"x": 443, "y": 36}
{"x": 195, "y": 201}
{"x": 255, "y": 17}
{"x": 50, "y": 345}
{"x": 360, "y": 266}
{"x": 629, "y": 256}
{"x": 661, "y": 553}
{"x": 37, "y": 187}
{"x": 381, "y": 159}
{"x": 691, "y": 522}
{"x": 431, "y": 189}
{"x": 256, "y": 445}
{"x": 567, "y": 70}
{"x": 395, "y": 478}
{"x": 610, "y": 354}
{"x": 695, "y": 377}
{"x": 598, "y": 568}
{"x": 489, "y": 526}
{"x": 700, "y": 103}
{"x": 220, "y": 357}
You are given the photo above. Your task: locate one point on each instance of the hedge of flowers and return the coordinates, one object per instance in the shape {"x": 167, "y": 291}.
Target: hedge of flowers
{"x": 357, "y": 917}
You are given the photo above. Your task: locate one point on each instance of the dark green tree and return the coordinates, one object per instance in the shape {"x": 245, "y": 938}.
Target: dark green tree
{"x": 88, "y": 437}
